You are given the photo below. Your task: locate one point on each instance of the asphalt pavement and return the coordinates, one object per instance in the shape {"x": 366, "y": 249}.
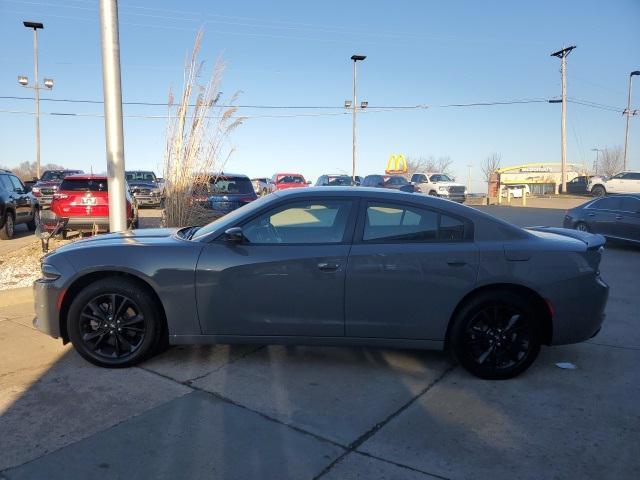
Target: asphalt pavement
{"x": 273, "y": 412}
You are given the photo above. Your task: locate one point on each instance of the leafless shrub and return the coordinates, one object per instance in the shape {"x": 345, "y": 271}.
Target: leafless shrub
{"x": 611, "y": 161}
{"x": 490, "y": 165}
{"x": 27, "y": 170}
{"x": 195, "y": 141}
{"x": 428, "y": 164}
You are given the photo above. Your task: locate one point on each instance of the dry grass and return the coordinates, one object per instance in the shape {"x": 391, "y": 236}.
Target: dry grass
{"x": 195, "y": 141}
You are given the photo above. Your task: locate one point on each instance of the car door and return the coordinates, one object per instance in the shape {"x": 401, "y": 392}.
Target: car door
{"x": 601, "y": 215}
{"x": 21, "y": 198}
{"x": 632, "y": 180}
{"x": 628, "y": 219}
{"x": 408, "y": 269}
{"x": 286, "y": 278}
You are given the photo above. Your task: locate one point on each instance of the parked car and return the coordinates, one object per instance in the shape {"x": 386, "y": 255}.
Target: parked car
{"x": 283, "y": 181}
{"x": 392, "y": 182}
{"x": 145, "y": 188}
{"x": 615, "y": 216}
{"x": 579, "y": 185}
{"x": 82, "y": 201}
{"x": 48, "y": 184}
{"x": 320, "y": 266}
{"x": 225, "y": 193}
{"x": 623, "y": 182}
{"x": 339, "y": 180}
{"x": 17, "y": 205}
{"x": 261, "y": 185}
{"x": 439, "y": 185}
{"x": 516, "y": 190}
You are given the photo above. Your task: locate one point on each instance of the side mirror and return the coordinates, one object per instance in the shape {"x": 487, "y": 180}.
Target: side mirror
{"x": 234, "y": 235}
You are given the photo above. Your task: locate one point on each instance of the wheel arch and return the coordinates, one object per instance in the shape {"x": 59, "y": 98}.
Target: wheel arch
{"x": 85, "y": 280}
{"x": 539, "y": 303}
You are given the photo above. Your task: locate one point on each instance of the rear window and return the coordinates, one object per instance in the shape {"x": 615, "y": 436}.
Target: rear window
{"x": 230, "y": 185}
{"x": 291, "y": 179}
{"x": 83, "y": 185}
{"x": 342, "y": 180}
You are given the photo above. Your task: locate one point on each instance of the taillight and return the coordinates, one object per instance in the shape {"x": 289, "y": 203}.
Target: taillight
{"x": 60, "y": 196}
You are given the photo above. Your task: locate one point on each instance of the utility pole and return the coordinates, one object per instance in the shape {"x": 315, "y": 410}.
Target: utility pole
{"x": 113, "y": 114}
{"x": 469, "y": 178}
{"x": 596, "y": 164}
{"x": 354, "y": 106}
{"x": 628, "y": 113}
{"x": 562, "y": 55}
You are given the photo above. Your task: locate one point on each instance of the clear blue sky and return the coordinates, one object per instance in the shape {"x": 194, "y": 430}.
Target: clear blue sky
{"x": 297, "y": 53}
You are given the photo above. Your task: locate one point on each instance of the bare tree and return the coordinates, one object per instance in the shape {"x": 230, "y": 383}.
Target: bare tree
{"x": 196, "y": 135}
{"x": 27, "y": 170}
{"x": 490, "y": 165}
{"x": 611, "y": 161}
{"x": 428, "y": 164}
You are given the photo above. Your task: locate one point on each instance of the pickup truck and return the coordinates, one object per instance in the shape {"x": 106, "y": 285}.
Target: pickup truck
{"x": 439, "y": 185}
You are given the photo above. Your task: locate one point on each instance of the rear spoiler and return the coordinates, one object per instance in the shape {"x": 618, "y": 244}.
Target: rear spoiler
{"x": 593, "y": 241}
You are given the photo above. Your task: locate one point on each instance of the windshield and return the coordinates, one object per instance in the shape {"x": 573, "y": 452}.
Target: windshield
{"x": 397, "y": 181}
{"x": 83, "y": 185}
{"x": 441, "y": 177}
{"x": 230, "y": 185}
{"x": 52, "y": 176}
{"x": 231, "y": 217}
{"x": 140, "y": 176}
{"x": 342, "y": 180}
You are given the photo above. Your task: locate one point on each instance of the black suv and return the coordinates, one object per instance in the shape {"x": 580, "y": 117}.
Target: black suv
{"x": 17, "y": 205}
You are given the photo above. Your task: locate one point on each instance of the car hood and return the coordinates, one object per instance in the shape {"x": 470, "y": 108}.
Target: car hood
{"x": 147, "y": 236}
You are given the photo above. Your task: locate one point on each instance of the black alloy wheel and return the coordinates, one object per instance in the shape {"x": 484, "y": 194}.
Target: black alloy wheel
{"x": 114, "y": 323}
{"x": 496, "y": 336}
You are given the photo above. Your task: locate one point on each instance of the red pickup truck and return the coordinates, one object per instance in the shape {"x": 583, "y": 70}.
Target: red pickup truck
{"x": 83, "y": 201}
{"x": 282, "y": 181}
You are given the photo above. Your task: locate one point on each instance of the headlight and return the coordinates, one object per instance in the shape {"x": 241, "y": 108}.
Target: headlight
{"x": 443, "y": 189}
{"x": 156, "y": 191}
{"x": 49, "y": 272}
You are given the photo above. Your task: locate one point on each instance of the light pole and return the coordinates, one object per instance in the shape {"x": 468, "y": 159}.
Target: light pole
{"x": 628, "y": 113}
{"x": 24, "y": 81}
{"x": 597, "y": 162}
{"x": 354, "y": 106}
{"x": 562, "y": 55}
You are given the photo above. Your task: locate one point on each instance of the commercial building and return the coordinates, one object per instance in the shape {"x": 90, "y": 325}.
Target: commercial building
{"x": 542, "y": 178}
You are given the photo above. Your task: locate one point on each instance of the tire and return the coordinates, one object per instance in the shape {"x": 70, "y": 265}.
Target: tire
{"x": 103, "y": 338}
{"x": 264, "y": 192}
{"x": 433, "y": 193}
{"x": 598, "y": 191}
{"x": 8, "y": 227}
{"x": 33, "y": 224}
{"x": 479, "y": 335}
{"x": 581, "y": 226}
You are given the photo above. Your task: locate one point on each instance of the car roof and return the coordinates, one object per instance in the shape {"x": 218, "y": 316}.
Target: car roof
{"x": 291, "y": 174}
{"x": 228, "y": 175}
{"x": 85, "y": 176}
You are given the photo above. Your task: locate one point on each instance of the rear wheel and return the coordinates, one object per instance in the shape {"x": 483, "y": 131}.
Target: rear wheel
{"x": 433, "y": 193}
{"x": 8, "y": 227}
{"x": 114, "y": 323}
{"x": 598, "y": 191}
{"x": 496, "y": 335}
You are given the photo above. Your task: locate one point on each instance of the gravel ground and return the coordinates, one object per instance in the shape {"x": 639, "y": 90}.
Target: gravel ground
{"x": 21, "y": 267}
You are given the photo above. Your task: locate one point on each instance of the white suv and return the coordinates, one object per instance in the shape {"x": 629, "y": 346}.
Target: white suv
{"x": 439, "y": 185}
{"x": 623, "y": 182}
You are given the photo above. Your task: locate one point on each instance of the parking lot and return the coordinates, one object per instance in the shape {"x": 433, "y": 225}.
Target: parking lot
{"x": 333, "y": 413}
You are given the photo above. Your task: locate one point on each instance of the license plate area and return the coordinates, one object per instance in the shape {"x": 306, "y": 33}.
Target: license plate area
{"x": 88, "y": 200}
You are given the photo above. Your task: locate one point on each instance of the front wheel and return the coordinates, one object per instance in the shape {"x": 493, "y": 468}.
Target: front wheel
{"x": 7, "y": 230}
{"x": 433, "y": 193}
{"x": 496, "y": 335}
{"x": 114, "y": 323}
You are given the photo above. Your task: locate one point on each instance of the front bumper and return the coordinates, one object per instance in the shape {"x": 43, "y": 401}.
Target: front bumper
{"x": 144, "y": 200}
{"x": 47, "y": 295}
{"x": 453, "y": 197}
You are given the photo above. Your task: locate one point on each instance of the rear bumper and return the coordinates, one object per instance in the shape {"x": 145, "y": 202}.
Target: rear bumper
{"x": 579, "y": 307}
{"x": 87, "y": 223}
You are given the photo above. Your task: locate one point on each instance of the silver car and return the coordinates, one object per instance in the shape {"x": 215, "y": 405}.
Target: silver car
{"x": 330, "y": 266}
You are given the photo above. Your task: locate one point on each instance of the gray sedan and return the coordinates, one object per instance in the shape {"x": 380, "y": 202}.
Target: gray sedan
{"x": 330, "y": 266}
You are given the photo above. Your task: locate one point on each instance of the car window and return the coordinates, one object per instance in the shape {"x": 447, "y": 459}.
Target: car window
{"x": 342, "y": 180}
{"x": 291, "y": 179}
{"x": 397, "y": 181}
{"x": 607, "y": 203}
{"x": 440, "y": 178}
{"x": 17, "y": 184}
{"x": 373, "y": 180}
{"x": 82, "y": 185}
{"x": 5, "y": 183}
{"x": 141, "y": 176}
{"x": 386, "y": 222}
{"x": 419, "y": 178}
{"x": 312, "y": 221}
{"x": 230, "y": 185}
{"x": 632, "y": 176}
{"x": 630, "y": 204}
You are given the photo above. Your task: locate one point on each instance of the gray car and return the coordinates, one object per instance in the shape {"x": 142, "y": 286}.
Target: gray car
{"x": 330, "y": 266}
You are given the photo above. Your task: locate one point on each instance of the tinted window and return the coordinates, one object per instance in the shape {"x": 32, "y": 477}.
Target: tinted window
{"x": 419, "y": 178}
{"x": 440, "y": 178}
{"x": 17, "y": 184}
{"x": 5, "y": 183}
{"x": 82, "y": 185}
{"x": 397, "y": 181}
{"x": 230, "y": 185}
{"x": 290, "y": 179}
{"x": 140, "y": 176}
{"x": 632, "y": 176}
{"x": 373, "y": 180}
{"x": 630, "y": 204}
{"x": 55, "y": 176}
{"x": 301, "y": 222}
{"x": 608, "y": 203}
{"x": 409, "y": 224}
{"x": 342, "y": 180}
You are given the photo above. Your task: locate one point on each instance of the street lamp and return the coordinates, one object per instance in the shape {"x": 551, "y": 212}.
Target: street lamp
{"x": 24, "y": 81}
{"x": 597, "y": 162}
{"x": 628, "y": 113}
{"x": 354, "y": 106}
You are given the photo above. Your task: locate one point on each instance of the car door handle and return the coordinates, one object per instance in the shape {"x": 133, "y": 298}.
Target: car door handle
{"x": 618, "y": 217}
{"x": 328, "y": 266}
{"x": 591, "y": 214}
{"x": 456, "y": 262}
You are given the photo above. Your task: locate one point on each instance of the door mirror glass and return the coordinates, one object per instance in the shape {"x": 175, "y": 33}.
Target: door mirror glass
{"x": 234, "y": 235}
